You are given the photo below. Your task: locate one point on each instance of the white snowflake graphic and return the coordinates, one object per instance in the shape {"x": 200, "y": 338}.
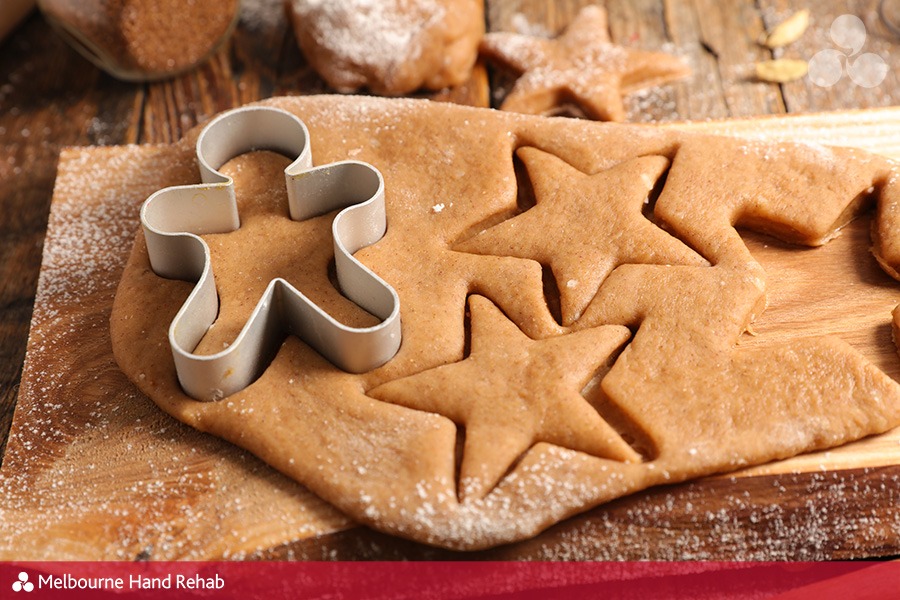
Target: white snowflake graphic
{"x": 22, "y": 584}
{"x": 827, "y": 67}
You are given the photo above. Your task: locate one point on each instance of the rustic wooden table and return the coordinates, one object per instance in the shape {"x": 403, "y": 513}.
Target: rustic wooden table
{"x": 50, "y": 97}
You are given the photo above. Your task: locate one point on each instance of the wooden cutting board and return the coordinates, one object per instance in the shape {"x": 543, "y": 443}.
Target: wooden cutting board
{"x": 94, "y": 470}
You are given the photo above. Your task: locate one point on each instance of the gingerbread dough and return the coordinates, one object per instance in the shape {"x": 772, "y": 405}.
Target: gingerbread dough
{"x": 581, "y": 249}
{"x": 886, "y": 246}
{"x": 392, "y": 47}
{"x": 496, "y": 419}
{"x": 581, "y": 66}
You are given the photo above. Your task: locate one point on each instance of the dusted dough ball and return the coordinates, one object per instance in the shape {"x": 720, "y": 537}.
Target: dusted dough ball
{"x": 390, "y": 46}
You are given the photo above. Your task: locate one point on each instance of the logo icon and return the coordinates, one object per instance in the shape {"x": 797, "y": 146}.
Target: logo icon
{"x": 827, "y": 67}
{"x": 22, "y": 584}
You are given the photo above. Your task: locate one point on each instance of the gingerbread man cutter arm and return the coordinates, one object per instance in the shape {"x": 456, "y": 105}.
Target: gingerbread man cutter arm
{"x": 174, "y": 218}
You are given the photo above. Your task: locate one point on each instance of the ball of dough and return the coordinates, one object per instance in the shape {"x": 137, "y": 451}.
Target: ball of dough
{"x": 390, "y": 46}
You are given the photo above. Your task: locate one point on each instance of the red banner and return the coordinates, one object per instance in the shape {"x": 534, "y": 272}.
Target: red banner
{"x": 451, "y": 580}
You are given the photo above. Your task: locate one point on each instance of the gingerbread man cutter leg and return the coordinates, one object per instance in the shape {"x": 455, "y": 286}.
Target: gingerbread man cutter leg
{"x": 173, "y": 219}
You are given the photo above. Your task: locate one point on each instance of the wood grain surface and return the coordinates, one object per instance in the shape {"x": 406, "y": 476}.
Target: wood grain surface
{"x": 51, "y": 98}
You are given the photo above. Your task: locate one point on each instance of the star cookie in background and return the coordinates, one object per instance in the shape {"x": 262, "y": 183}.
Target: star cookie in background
{"x": 581, "y": 66}
{"x": 391, "y": 47}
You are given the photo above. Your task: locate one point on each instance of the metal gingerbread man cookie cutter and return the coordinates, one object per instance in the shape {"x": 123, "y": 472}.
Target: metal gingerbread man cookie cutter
{"x": 174, "y": 218}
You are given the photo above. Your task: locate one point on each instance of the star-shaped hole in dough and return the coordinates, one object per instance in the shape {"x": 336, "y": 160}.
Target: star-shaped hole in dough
{"x": 512, "y": 392}
{"x": 581, "y": 66}
{"x": 584, "y": 226}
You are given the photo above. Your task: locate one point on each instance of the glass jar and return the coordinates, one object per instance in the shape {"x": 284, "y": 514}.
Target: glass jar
{"x": 143, "y": 40}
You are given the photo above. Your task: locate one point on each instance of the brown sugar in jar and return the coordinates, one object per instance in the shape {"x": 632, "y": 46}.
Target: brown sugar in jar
{"x": 139, "y": 40}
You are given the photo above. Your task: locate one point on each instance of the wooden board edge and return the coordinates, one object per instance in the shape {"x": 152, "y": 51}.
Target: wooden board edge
{"x": 875, "y": 130}
{"x": 837, "y": 515}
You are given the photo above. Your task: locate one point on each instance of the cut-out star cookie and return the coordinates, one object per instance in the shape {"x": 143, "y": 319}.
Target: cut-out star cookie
{"x": 512, "y": 392}
{"x": 581, "y": 66}
{"x": 584, "y": 226}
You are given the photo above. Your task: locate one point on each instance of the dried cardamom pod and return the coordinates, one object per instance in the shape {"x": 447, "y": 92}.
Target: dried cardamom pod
{"x": 788, "y": 31}
{"x": 781, "y": 70}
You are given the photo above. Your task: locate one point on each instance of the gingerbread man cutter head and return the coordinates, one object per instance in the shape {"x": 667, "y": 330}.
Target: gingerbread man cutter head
{"x": 174, "y": 218}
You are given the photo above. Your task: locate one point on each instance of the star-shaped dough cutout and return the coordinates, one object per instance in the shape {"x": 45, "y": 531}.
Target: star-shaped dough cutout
{"x": 581, "y": 66}
{"x": 584, "y": 226}
{"x": 512, "y": 392}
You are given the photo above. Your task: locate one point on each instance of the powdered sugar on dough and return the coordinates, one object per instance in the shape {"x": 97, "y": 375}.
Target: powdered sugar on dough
{"x": 391, "y": 46}
{"x": 370, "y": 31}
